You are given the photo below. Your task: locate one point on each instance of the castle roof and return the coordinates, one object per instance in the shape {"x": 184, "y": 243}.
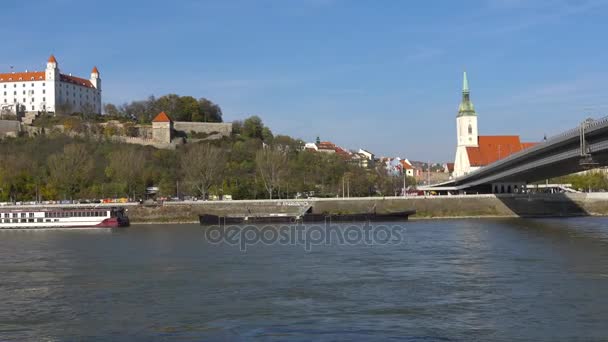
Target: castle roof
{"x": 52, "y": 59}
{"x": 493, "y": 148}
{"x": 162, "y": 117}
{"x": 22, "y": 76}
{"x": 95, "y": 71}
{"x": 76, "y": 80}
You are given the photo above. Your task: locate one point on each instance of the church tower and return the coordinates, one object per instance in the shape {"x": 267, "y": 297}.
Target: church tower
{"x": 466, "y": 121}
{"x": 467, "y": 133}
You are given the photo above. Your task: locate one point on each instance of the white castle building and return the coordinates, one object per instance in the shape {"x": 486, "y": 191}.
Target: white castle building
{"x": 50, "y": 91}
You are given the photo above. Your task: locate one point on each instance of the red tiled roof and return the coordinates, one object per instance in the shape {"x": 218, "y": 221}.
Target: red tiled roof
{"x": 52, "y": 59}
{"x": 406, "y": 165}
{"x": 494, "y": 148}
{"x": 23, "y": 76}
{"x": 76, "y": 80}
{"x": 162, "y": 117}
{"x": 450, "y": 167}
{"x": 95, "y": 71}
{"x": 326, "y": 145}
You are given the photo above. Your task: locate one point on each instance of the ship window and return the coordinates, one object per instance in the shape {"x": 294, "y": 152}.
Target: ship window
{"x": 39, "y": 220}
{"x": 23, "y": 220}
{"x": 56, "y": 220}
{"x": 31, "y": 214}
{"x": 22, "y": 214}
{"x": 15, "y": 221}
{"x": 48, "y": 220}
{"x": 30, "y": 220}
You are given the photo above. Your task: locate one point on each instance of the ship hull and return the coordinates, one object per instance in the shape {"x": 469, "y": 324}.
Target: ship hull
{"x": 210, "y": 219}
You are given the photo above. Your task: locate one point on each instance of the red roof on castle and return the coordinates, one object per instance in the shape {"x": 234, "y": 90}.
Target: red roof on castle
{"x": 95, "y": 71}
{"x": 41, "y": 76}
{"x": 162, "y": 117}
{"x": 494, "y": 148}
{"x": 23, "y": 76}
{"x": 76, "y": 80}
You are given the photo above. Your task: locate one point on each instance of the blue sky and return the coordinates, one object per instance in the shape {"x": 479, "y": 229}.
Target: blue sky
{"x": 382, "y": 75}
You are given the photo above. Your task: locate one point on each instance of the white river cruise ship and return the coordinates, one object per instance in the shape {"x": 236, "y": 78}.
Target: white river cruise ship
{"x": 77, "y": 217}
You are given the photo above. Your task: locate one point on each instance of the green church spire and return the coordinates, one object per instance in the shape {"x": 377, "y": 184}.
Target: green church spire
{"x": 466, "y": 107}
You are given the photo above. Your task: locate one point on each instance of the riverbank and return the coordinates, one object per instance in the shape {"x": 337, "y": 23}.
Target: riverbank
{"x": 432, "y": 207}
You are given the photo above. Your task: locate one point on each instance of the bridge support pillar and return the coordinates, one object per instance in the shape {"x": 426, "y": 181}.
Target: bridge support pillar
{"x": 508, "y": 188}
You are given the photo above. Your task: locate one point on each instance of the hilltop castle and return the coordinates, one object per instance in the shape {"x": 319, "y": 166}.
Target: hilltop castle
{"x": 49, "y": 91}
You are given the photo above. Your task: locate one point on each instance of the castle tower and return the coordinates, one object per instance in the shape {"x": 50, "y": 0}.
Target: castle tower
{"x": 52, "y": 69}
{"x": 52, "y": 79}
{"x": 162, "y": 128}
{"x": 466, "y": 121}
{"x": 95, "y": 79}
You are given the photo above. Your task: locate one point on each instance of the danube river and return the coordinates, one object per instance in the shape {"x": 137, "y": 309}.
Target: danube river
{"x": 445, "y": 280}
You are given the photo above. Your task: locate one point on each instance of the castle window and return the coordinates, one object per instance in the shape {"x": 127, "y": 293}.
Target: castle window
{"x": 15, "y": 93}
{"x": 44, "y": 99}
{"x": 33, "y": 107}
{"x": 23, "y": 83}
{"x": 470, "y": 129}
{"x": 32, "y": 83}
{"x": 44, "y": 91}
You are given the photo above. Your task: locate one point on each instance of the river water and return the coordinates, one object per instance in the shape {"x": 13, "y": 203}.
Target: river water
{"x": 452, "y": 280}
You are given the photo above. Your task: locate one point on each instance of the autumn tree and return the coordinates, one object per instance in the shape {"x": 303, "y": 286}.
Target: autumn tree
{"x": 271, "y": 166}
{"x": 71, "y": 169}
{"x": 202, "y": 166}
{"x": 126, "y": 166}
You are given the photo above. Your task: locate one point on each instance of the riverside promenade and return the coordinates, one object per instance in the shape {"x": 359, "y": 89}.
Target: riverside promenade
{"x": 427, "y": 207}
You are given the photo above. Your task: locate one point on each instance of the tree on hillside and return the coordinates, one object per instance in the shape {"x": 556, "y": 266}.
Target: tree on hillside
{"x": 179, "y": 108}
{"x": 207, "y": 111}
{"x": 202, "y": 166}
{"x": 71, "y": 169}
{"x": 253, "y": 127}
{"x": 112, "y": 110}
{"x": 127, "y": 166}
{"x": 271, "y": 166}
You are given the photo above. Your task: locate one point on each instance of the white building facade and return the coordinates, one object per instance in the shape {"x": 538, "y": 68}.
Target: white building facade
{"x": 50, "y": 91}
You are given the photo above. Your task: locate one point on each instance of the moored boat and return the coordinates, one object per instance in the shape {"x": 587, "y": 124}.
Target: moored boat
{"x": 77, "y": 217}
{"x": 211, "y": 219}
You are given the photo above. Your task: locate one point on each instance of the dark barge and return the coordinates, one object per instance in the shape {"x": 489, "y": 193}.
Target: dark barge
{"x": 211, "y": 219}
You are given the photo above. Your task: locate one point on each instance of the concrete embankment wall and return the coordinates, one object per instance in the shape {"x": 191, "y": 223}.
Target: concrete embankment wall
{"x": 426, "y": 207}
{"x": 8, "y": 127}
